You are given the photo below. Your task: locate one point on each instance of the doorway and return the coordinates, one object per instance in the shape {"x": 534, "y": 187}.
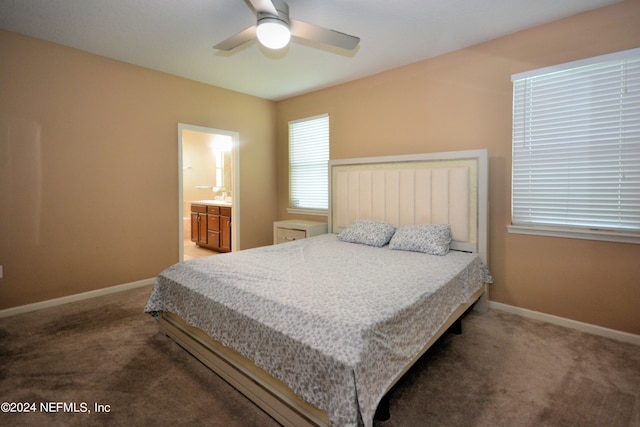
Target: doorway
{"x": 208, "y": 169}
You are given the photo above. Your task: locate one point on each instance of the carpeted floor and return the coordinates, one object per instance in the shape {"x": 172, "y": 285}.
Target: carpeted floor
{"x": 503, "y": 370}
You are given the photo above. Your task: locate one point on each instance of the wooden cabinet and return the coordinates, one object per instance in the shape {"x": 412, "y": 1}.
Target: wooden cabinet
{"x": 225, "y": 229}
{"x": 211, "y": 226}
{"x": 296, "y": 229}
{"x": 199, "y": 224}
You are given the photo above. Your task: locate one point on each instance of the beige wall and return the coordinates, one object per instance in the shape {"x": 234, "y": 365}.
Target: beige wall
{"x": 88, "y": 162}
{"x": 199, "y": 163}
{"x": 89, "y": 168}
{"x": 463, "y": 101}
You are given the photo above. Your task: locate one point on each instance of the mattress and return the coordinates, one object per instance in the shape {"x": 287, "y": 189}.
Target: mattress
{"x": 337, "y": 322}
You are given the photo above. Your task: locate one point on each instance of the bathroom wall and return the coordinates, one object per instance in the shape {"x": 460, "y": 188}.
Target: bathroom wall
{"x": 199, "y": 163}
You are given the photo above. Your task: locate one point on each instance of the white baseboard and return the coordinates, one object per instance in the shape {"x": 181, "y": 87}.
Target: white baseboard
{"x": 568, "y": 323}
{"x": 536, "y": 315}
{"x": 72, "y": 298}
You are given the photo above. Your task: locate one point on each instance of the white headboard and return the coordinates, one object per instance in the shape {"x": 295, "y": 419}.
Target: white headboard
{"x": 440, "y": 188}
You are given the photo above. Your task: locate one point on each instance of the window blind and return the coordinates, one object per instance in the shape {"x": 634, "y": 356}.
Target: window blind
{"x": 308, "y": 163}
{"x": 576, "y": 145}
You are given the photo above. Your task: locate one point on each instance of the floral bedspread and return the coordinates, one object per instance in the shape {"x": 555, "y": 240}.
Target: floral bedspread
{"x": 335, "y": 321}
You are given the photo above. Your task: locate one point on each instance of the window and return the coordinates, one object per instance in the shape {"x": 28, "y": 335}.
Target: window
{"x": 309, "y": 165}
{"x": 576, "y": 149}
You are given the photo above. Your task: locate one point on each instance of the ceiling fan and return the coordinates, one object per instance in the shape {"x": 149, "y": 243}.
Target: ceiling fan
{"x": 274, "y": 29}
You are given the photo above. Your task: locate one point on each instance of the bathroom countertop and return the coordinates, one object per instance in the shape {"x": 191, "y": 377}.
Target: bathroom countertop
{"x": 212, "y": 202}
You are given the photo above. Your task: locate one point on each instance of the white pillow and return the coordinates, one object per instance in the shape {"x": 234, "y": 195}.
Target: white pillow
{"x": 431, "y": 239}
{"x": 368, "y": 232}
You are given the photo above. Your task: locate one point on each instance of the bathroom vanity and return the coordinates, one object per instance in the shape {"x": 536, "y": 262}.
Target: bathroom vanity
{"x": 211, "y": 224}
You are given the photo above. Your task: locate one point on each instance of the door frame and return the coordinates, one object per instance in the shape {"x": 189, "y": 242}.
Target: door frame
{"x": 235, "y": 183}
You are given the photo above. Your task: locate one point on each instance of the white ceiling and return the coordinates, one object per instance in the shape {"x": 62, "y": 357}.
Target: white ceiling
{"x": 176, "y": 36}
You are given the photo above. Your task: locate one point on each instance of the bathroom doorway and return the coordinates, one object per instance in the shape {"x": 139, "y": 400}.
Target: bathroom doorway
{"x": 208, "y": 165}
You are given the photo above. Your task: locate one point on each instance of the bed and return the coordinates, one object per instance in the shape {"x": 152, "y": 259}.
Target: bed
{"x": 318, "y": 330}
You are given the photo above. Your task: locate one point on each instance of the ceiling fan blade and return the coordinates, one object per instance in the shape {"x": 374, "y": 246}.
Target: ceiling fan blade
{"x": 323, "y": 35}
{"x": 236, "y": 40}
{"x": 264, "y": 6}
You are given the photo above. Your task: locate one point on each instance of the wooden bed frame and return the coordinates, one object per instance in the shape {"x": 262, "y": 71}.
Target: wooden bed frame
{"x": 401, "y": 190}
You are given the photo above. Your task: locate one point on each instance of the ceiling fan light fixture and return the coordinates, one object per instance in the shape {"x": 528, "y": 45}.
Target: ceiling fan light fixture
{"x": 273, "y": 33}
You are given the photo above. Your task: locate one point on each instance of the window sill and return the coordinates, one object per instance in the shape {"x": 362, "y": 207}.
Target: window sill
{"x": 576, "y": 233}
{"x": 316, "y": 212}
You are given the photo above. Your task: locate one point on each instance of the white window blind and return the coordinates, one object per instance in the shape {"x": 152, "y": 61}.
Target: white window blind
{"x": 576, "y": 145}
{"x": 308, "y": 163}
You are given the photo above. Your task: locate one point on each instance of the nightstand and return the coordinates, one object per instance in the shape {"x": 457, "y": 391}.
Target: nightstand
{"x": 296, "y": 229}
